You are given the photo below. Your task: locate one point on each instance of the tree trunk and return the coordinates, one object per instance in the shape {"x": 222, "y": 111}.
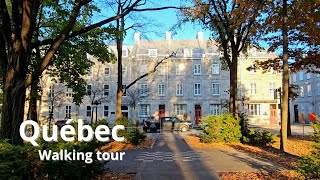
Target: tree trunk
{"x": 289, "y": 122}
{"x": 118, "y": 107}
{"x": 32, "y": 111}
{"x": 285, "y": 97}
{"x": 134, "y": 116}
{"x": 13, "y": 106}
{"x": 233, "y": 104}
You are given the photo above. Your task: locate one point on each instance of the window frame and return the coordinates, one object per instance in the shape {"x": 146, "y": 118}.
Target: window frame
{"x": 213, "y": 89}
{"x": 179, "y": 88}
{"x": 197, "y": 92}
{"x": 197, "y": 69}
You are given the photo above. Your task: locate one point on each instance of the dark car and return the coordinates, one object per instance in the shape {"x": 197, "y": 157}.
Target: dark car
{"x": 61, "y": 123}
{"x": 174, "y": 123}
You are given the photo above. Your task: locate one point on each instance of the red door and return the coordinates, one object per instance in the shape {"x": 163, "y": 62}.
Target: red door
{"x": 197, "y": 109}
{"x": 273, "y": 114}
{"x": 162, "y": 110}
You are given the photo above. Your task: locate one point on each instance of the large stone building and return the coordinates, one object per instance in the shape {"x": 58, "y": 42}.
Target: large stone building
{"x": 193, "y": 82}
{"x": 308, "y": 100}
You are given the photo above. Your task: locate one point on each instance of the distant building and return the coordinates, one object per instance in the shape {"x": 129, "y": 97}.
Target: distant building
{"x": 309, "y": 96}
{"x": 193, "y": 83}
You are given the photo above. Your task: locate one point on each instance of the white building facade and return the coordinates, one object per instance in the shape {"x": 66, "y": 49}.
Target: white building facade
{"x": 193, "y": 83}
{"x": 308, "y": 100}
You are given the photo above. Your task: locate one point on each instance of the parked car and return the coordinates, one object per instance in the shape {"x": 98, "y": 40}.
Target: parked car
{"x": 174, "y": 123}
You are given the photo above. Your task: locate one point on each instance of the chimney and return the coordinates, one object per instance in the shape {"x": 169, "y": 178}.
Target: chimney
{"x": 137, "y": 37}
{"x": 200, "y": 36}
{"x": 168, "y": 35}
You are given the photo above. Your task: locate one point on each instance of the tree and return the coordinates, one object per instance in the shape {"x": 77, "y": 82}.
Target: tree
{"x": 121, "y": 29}
{"x": 233, "y": 24}
{"x": 297, "y": 22}
{"x": 17, "y": 29}
{"x": 134, "y": 96}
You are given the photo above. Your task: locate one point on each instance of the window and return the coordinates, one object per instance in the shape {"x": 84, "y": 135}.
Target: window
{"x": 124, "y": 71}
{"x": 161, "y": 90}
{"x": 254, "y": 109}
{"x": 124, "y": 52}
{"x": 68, "y": 111}
{"x": 271, "y": 89}
{"x": 180, "y": 109}
{"x": 88, "y": 111}
{"x": 161, "y": 69}
{"x": 107, "y": 71}
{"x": 301, "y": 75}
{"x": 318, "y": 88}
{"x": 50, "y": 109}
{"x": 179, "y": 89}
{"x": 197, "y": 89}
{"x": 308, "y": 75}
{"x": 105, "y": 111}
{"x": 294, "y": 77}
{"x": 89, "y": 87}
{"x": 187, "y": 52}
{"x": 215, "y": 109}
{"x": 125, "y": 91}
{"x": 216, "y": 89}
{"x": 69, "y": 92}
{"x": 51, "y": 92}
{"x": 144, "y": 110}
{"x": 143, "y": 69}
{"x": 272, "y": 71}
{"x": 106, "y": 90}
{"x": 301, "y": 91}
{"x": 215, "y": 68}
{"x": 309, "y": 90}
{"x": 143, "y": 89}
{"x": 302, "y": 109}
{"x": 153, "y": 52}
{"x": 253, "y": 88}
{"x": 180, "y": 69}
{"x": 197, "y": 69}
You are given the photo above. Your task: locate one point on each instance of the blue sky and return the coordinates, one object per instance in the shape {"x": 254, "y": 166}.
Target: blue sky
{"x": 160, "y": 22}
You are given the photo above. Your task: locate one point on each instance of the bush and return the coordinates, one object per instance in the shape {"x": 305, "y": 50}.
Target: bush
{"x": 134, "y": 136}
{"x": 309, "y": 165}
{"x": 23, "y": 162}
{"x": 258, "y": 138}
{"x": 223, "y": 128}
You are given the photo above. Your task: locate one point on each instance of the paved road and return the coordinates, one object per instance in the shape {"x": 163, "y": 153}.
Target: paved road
{"x": 171, "y": 158}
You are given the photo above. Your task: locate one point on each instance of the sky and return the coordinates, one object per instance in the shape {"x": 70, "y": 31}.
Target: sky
{"x": 157, "y": 22}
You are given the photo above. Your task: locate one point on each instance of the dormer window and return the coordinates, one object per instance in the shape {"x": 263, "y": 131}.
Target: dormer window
{"x": 187, "y": 52}
{"x": 153, "y": 52}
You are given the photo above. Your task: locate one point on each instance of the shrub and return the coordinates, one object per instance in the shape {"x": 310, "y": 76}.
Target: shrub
{"x": 309, "y": 165}
{"x": 223, "y": 128}
{"x": 134, "y": 136}
{"x": 258, "y": 138}
{"x": 23, "y": 162}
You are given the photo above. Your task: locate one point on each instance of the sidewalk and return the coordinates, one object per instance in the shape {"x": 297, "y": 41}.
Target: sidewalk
{"x": 172, "y": 158}
{"x": 296, "y": 129}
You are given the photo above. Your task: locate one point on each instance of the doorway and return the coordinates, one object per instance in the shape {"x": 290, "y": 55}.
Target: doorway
{"x": 162, "y": 110}
{"x": 197, "y": 110}
{"x": 296, "y": 113}
{"x": 273, "y": 114}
